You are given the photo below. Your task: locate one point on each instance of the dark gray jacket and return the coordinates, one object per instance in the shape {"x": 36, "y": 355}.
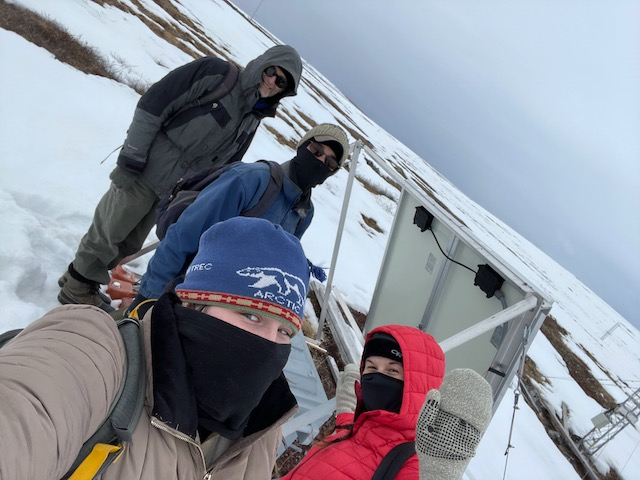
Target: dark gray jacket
{"x": 164, "y": 147}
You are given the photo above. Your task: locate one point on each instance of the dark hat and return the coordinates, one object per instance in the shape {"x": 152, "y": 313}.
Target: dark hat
{"x": 248, "y": 263}
{"x": 382, "y": 345}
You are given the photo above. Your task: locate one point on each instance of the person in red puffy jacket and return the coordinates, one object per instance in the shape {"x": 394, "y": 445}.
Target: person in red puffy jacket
{"x": 399, "y": 366}
{"x": 396, "y": 394}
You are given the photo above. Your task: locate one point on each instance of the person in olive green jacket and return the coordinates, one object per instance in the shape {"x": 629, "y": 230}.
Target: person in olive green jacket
{"x": 165, "y": 141}
{"x": 215, "y": 350}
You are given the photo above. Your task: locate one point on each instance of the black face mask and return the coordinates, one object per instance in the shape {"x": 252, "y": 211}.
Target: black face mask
{"x": 306, "y": 170}
{"x": 230, "y": 369}
{"x": 381, "y": 392}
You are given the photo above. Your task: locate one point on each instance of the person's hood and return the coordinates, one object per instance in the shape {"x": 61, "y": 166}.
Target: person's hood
{"x": 423, "y": 363}
{"x": 283, "y": 56}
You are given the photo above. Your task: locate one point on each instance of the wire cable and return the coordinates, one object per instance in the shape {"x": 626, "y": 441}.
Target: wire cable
{"x": 112, "y": 151}
{"x": 516, "y": 397}
{"x": 630, "y": 456}
{"x": 447, "y": 256}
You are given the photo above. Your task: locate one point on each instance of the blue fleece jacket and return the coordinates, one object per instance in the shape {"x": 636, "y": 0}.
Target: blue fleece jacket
{"x": 234, "y": 192}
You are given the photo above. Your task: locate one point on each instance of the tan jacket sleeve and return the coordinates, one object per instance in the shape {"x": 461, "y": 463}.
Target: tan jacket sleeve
{"x": 58, "y": 379}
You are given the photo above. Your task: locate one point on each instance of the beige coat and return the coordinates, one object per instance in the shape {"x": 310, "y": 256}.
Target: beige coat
{"x": 58, "y": 379}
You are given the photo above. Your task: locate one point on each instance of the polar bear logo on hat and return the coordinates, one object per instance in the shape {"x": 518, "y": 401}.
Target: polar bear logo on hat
{"x": 285, "y": 283}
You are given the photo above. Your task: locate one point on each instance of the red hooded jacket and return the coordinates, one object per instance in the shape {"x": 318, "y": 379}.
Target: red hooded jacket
{"x": 376, "y": 432}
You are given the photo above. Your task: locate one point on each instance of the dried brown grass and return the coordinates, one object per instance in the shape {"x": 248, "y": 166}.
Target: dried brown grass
{"x": 578, "y": 370}
{"x": 55, "y": 38}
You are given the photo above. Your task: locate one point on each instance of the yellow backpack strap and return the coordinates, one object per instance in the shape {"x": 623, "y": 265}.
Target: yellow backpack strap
{"x": 102, "y": 455}
{"x": 139, "y": 310}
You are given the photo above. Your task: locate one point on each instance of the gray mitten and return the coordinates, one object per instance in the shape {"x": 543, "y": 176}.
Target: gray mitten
{"x": 451, "y": 423}
{"x": 345, "y": 389}
{"x": 123, "y": 179}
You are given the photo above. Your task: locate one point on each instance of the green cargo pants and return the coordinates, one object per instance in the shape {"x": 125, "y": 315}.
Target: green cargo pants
{"x": 121, "y": 223}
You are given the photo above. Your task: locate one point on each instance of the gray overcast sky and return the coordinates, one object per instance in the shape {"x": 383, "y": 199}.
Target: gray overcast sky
{"x": 530, "y": 107}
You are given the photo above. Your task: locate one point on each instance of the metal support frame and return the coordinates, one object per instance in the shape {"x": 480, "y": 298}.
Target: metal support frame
{"x": 307, "y": 418}
{"x": 357, "y": 148}
{"x": 443, "y": 273}
{"x": 503, "y": 316}
{"x": 623, "y": 414}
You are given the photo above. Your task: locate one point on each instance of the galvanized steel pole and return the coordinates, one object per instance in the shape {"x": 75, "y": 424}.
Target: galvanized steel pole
{"x": 506, "y": 315}
{"x": 357, "y": 147}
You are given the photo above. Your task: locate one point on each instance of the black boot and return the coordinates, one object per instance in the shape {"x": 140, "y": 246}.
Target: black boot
{"x": 77, "y": 289}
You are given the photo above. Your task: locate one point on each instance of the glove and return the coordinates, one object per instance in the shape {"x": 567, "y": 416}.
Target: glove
{"x": 139, "y": 307}
{"x": 345, "y": 389}
{"x": 451, "y": 424}
{"x": 130, "y": 164}
{"x": 123, "y": 179}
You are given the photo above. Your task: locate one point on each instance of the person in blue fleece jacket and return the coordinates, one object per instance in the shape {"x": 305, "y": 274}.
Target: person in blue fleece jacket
{"x": 320, "y": 153}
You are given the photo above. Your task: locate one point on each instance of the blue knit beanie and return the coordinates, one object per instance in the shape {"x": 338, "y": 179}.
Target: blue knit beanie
{"x": 249, "y": 264}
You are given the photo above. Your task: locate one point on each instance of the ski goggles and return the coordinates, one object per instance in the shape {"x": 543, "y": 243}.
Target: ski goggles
{"x": 329, "y": 160}
{"x": 281, "y": 82}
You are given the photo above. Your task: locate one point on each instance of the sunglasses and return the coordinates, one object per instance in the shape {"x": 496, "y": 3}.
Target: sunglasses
{"x": 281, "y": 82}
{"x": 329, "y": 160}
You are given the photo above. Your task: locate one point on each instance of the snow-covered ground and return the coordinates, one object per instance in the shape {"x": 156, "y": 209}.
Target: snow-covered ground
{"x": 58, "y": 124}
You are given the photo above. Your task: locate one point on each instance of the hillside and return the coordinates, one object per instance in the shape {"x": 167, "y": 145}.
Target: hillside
{"x": 63, "y": 115}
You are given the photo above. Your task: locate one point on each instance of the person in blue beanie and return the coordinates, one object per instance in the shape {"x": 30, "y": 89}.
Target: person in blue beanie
{"x": 320, "y": 154}
{"x": 214, "y": 352}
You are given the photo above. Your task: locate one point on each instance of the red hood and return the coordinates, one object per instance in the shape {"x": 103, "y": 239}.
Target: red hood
{"x": 423, "y": 363}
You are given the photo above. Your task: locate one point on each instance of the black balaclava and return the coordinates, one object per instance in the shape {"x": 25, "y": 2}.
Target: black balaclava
{"x": 380, "y": 391}
{"x": 306, "y": 170}
{"x": 230, "y": 369}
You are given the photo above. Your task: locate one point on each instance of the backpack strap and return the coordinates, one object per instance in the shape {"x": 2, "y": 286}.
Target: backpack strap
{"x": 107, "y": 443}
{"x": 8, "y": 335}
{"x": 102, "y": 455}
{"x": 270, "y": 194}
{"x": 209, "y": 177}
{"x": 183, "y": 194}
{"x": 394, "y": 460}
{"x": 230, "y": 78}
{"x": 221, "y": 90}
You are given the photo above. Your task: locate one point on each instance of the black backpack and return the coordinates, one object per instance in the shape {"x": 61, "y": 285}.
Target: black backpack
{"x": 187, "y": 189}
{"x": 106, "y": 444}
